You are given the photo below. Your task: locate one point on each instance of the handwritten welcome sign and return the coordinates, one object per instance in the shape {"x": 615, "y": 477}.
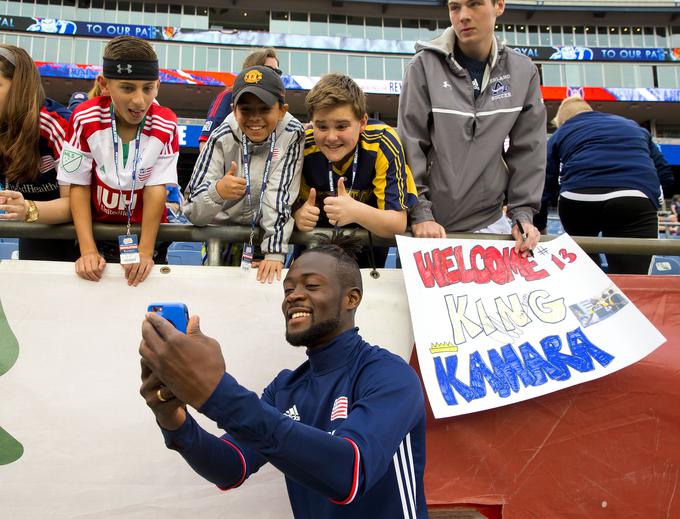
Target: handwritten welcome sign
{"x": 493, "y": 328}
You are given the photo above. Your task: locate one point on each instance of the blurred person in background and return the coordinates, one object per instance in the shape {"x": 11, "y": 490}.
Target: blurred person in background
{"x": 608, "y": 173}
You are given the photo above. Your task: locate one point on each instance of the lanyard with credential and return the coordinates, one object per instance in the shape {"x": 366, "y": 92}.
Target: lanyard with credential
{"x": 355, "y": 165}
{"x": 114, "y": 137}
{"x": 265, "y": 176}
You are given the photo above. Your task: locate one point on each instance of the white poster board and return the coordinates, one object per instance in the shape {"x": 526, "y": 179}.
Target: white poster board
{"x": 492, "y": 328}
{"x": 91, "y": 447}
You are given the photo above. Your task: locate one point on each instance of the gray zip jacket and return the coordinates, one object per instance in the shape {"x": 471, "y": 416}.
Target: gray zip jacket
{"x": 204, "y": 204}
{"x": 454, "y": 143}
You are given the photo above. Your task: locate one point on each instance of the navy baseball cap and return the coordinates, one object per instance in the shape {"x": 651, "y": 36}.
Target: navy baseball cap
{"x": 263, "y": 82}
{"x": 75, "y": 99}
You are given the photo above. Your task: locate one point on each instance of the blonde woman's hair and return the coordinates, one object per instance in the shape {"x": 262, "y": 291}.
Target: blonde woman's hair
{"x": 569, "y": 108}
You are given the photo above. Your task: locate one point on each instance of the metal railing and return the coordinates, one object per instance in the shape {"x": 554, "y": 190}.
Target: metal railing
{"x": 217, "y": 235}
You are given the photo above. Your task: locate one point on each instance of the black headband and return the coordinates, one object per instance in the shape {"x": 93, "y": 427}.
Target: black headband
{"x": 130, "y": 69}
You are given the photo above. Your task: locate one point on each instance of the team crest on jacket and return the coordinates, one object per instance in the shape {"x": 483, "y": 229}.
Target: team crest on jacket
{"x": 70, "y": 160}
{"x": 340, "y": 407}
{"x": 500, "y": 87}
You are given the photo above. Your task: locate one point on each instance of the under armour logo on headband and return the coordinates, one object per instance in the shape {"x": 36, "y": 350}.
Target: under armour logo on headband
{"x": 130, "y": 69}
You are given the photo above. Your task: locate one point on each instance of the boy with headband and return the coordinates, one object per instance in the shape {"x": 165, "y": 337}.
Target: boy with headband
{"x": 122, "y": 149}
{"x": 249, "y": 171}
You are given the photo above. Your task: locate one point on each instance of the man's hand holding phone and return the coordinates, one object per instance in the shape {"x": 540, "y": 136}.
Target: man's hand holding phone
{"x": 189, "y": 366}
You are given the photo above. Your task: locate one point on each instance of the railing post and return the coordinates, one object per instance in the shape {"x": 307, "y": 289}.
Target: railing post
{"x": 214, "y": 252}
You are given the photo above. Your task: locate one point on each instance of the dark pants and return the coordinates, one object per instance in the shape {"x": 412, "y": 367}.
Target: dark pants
{"x": 47, "y": 250}
{"x": 625, "y": 217}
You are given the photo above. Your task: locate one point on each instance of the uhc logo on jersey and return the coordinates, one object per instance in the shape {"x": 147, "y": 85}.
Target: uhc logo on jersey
{"x": 340, "y": 408}
{"x": 111, "y": 202}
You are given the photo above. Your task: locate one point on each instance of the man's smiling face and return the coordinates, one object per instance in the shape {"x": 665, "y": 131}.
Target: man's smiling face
{"x": 313, "y": 301}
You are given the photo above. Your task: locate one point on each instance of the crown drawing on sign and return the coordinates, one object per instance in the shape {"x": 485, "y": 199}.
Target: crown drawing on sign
{"x": 253, "y": 76}
{"x": 127, "y": 68}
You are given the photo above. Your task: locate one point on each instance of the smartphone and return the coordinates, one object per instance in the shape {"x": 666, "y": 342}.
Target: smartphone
{"x": 176, "y": 313}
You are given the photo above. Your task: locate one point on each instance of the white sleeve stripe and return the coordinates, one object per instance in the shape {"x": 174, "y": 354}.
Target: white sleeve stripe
{"x": 407, "y": 479}
{"x": 160, "y": 129}
{"x": 397, "y": 474}
{"x": 276, "y": 239}
{"x": 405, "y": 474}
{"x": 79, "y": 124}
{"x": 48, "y": 120}
{"x": 161, "y": 120}
{"x": 204, "y": 159}
{"x": 55, "y": 138}
{"x": 283, "y": 195}
{"x": 156, "y": 122}
{"x": 412, "y": 467}
{"x": 95, "y": 110}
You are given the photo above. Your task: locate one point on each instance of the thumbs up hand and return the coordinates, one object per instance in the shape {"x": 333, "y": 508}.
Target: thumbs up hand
{"x": 341, "y": 209}
{"x": 308, "y": 215}
{"x": 231, "y": 187}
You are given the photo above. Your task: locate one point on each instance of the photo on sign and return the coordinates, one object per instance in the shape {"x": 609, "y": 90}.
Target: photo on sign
{"x": 599, "y": 308}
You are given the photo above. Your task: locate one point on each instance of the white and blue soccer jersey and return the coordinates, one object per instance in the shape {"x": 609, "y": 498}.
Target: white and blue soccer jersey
{"x": 347, "y": 428}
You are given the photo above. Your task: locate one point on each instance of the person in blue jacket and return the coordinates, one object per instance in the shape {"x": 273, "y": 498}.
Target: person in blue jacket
{"x": 609, "y": 174}
{"x": 347, "y": 427}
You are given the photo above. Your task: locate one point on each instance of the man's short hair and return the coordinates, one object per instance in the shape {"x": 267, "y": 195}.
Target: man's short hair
{"x": 569, "y": 108}
{"x": 335, "y": 90}
{"x": 131, "y": 48}
{"x": 259, "y": 57}
{"x": 344, "y": 248}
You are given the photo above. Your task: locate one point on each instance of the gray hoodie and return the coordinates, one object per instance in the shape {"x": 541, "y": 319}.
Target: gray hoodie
{"x": 454, "y": 143}
{"x": 204, "y": 204}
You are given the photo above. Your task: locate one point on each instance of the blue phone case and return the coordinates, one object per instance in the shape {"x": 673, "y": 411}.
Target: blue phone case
{"x": 176, "y": 313}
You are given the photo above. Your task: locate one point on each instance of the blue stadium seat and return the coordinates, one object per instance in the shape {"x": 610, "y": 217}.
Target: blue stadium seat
{"x": 665, "y": 266}
{"x": 554, "y": 224}
{"x": 9, "y": 248}
{"x": 391, "y": 260}
{"x": 187, "y": 253}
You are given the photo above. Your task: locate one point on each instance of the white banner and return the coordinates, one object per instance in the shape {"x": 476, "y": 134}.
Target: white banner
{"x": 492, "y": 329}
{"x": 91, "y": 447}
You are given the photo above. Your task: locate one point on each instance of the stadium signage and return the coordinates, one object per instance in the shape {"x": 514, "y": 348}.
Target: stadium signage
{"x": 308, "y": 42}
{"x": 6, "y": 22}
{"x": 576, "y": 53}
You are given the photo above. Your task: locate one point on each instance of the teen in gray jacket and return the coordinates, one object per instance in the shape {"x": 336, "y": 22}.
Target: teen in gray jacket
{"x": 454, "y": 122}
{"x": 217, "y": 190}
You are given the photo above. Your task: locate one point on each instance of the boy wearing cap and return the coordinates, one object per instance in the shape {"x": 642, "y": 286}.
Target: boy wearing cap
{"x": 249, "y": 171}
{"x": 122, "y": 149}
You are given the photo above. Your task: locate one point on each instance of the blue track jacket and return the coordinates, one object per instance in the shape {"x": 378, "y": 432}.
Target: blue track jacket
{"x": 347, "y": 428}
{"x": 600, "y": 150}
